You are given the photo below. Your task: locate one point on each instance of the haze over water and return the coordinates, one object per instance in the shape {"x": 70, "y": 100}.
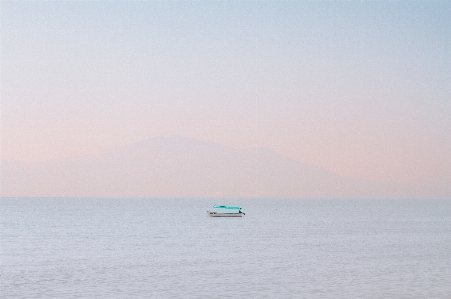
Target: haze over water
{"x": 203, "y": 99}
{"x": 360, "y": 88}
{"x": 168, "y": 248}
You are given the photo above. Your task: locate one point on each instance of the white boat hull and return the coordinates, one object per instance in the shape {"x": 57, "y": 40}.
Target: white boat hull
{"x": 217, "y": 214}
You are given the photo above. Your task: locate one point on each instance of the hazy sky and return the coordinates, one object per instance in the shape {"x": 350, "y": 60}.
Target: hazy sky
{"x": 360, "y": 88}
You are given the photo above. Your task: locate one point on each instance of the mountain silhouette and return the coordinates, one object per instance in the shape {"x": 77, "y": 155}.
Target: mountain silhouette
{"x": 181, "y": 167}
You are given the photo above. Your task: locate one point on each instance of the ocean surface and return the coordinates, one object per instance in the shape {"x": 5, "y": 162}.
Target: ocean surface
{"x": 169, "y": 248}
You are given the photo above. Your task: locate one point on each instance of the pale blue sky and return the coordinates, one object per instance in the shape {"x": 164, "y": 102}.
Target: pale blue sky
{"x": 361, "y": 88}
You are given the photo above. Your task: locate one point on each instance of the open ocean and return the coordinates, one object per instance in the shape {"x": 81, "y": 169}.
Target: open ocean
{"x": 169, "y": 248}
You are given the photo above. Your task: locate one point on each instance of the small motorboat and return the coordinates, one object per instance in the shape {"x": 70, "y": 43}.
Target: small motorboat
{"x": 226, "y": 211}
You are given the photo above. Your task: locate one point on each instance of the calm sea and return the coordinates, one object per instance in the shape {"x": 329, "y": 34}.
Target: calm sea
{"x": 169, "y": 248}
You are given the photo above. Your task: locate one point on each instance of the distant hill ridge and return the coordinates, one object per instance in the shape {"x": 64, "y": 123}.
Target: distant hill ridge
{"x": 181, "y": 167}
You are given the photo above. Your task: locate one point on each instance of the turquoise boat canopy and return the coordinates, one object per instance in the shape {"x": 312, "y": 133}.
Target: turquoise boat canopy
{"x": 227, "y": 207}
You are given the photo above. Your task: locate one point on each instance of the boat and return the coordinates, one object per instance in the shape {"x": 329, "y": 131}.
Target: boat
{"x": 226, "y": 211}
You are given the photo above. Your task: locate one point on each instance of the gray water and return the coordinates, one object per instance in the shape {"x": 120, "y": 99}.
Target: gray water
{"x": 168, "y": 248}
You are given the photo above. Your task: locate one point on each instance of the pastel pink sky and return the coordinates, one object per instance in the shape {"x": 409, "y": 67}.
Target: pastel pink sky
{"x": 359, "y": 88}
